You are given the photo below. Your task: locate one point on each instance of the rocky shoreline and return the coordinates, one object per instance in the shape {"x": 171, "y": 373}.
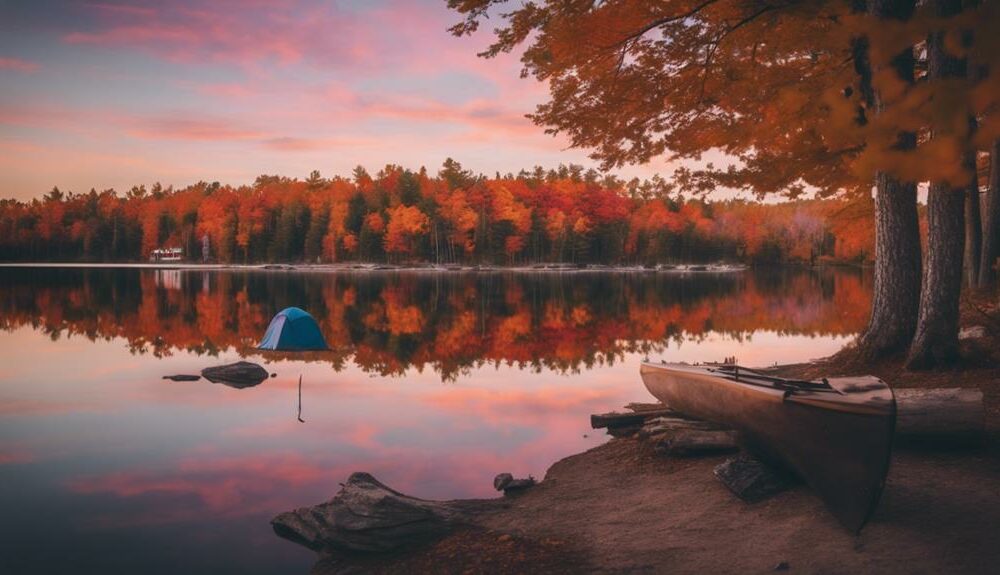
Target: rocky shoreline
{"x": 629, "y": 506}
{"x": 713, "y": 268}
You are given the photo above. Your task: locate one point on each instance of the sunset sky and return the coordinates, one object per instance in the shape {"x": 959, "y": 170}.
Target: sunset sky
{"x": 112, "y": 94}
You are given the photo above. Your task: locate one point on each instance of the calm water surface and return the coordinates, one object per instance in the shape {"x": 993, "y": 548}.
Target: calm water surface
{"x": 436, "y": 383}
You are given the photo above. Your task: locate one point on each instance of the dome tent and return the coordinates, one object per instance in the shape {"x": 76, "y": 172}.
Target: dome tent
{"x": 293, "y": 329}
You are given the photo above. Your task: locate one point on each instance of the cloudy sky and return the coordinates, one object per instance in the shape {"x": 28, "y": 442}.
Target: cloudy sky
{"x": 120, "y": 92}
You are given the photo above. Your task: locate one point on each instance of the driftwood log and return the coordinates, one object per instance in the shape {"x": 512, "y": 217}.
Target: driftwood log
{"x": 617, "y": 419}
{"x": 367, "y": 516}
{"x": 923, "y": 416}
{"x": 689, "y": 442}
{"x": 668, "y": 424}
{"x": 939, "y": 415}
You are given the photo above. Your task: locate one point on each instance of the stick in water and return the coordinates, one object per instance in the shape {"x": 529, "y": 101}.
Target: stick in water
{"x": 300, "y": 400}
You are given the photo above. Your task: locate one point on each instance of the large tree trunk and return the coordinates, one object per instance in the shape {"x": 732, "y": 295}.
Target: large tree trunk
{"x": 936, "y": 340}
{"x": 897, "y": 235}
{"x": 896, "y": 296}
{"x": 991, "y": 224}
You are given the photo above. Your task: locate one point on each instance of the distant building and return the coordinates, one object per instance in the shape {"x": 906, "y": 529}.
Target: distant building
{"x": 166, "y": 255}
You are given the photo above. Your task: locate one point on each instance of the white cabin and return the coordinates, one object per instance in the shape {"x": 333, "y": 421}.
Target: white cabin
{"x": 166, "y": 255}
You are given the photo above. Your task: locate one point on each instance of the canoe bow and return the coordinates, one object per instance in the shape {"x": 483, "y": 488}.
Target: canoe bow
{"x": 835, "y": 433}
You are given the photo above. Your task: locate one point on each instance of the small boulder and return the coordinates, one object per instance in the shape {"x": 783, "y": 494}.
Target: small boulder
{"x": 238, "y": 375}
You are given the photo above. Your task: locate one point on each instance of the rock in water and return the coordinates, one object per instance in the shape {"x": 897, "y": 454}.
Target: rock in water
{"x": 239, "y": 375}
{"x": 368, "y": 516}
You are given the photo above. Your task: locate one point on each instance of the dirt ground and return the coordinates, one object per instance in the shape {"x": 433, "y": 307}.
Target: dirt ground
{"x": 621, "y": 508}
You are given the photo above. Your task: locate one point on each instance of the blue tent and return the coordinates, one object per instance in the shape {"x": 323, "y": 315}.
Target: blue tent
{"x": 293, "y": 330}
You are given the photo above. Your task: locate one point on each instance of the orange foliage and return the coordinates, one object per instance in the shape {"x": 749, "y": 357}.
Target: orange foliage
{"x": 405, "y": 224}
{"x": 560, "y": 215}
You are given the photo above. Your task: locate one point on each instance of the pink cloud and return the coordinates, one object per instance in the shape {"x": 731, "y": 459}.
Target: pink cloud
{"x": 15, "y": 457}
{"x": 18, "y": 65}
{"x": 193, "y": 128}
{"x": 293, "y": 144}
{"x": 241, "y": 486}
{"x": 36, "y": 407}
{"x": 230, "y": 31}
{"x": 398, "y": 36}
{"x": 542, "y": 406}
{"x": 229, "y": 91}
{"x": 121, "y": 9}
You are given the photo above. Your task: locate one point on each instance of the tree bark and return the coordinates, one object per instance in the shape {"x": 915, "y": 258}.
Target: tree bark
{"x": 897, "y": 234}
{"x": 896, "y": 296}
{"x": 973, "y": 218}
{"x": 991, "y": 224}
{"x": 936, "y": 339}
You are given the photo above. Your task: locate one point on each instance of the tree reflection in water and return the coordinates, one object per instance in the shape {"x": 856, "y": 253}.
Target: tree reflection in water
{"x": 448, "y": 322}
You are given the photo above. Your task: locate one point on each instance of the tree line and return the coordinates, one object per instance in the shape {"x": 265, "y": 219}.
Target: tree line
{"x": 404, "y": 216}
{"x": 837, "y": 95}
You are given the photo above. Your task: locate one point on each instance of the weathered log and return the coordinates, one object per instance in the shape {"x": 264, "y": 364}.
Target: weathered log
{"x": 615, "y": 419}
{"x": 239, "y": 375}
{"x": 948, "y": 415}
{"x": 690, "y": 442}
{"x": 668, "y": 424}
{"x": 624, "y": 430}
{"x": 182, "y": 377}
{"x": 939, "y": 415}
{"x": 645, "y": 407}
{"x": 751, "y": 479}
{"x": 367, "y": 516}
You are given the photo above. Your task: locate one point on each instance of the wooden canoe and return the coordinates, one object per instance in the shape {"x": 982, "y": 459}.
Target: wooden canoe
{"x": 835, "y": 433}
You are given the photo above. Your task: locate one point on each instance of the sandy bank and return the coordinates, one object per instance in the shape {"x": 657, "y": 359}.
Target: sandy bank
{"x": 621, "y": 508}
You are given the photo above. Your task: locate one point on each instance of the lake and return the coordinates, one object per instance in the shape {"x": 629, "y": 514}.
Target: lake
{"x": 436, "y": 383}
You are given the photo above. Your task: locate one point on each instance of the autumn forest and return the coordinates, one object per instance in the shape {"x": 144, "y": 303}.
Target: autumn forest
{"x": 402, "y": 216}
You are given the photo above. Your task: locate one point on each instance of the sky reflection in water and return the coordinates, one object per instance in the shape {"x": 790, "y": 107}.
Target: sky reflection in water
{"x": 437, "y": 383}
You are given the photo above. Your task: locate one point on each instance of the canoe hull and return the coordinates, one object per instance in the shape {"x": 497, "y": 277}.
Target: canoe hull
{"x": 838, "y": 442}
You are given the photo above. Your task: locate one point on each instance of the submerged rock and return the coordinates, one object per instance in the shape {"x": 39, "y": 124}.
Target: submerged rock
{"x": 238, "y": 375}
